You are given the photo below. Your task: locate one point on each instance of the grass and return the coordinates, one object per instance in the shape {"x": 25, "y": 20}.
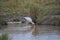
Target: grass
{"x": 12, "y": 7}
{"x": 4, "y": 36}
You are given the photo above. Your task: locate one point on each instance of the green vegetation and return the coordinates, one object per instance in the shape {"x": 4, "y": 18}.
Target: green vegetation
{"x": 39, "y": 7}
{"x": 4, "y": 36}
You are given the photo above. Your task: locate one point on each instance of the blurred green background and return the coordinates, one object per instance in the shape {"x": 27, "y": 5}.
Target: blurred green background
{"x": 39, "y": 10}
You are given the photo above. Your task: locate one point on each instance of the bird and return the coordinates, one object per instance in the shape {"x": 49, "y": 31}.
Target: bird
{"x": 29, "y": 20}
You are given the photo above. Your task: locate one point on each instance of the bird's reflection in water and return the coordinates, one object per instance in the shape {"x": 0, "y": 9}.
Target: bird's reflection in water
{"x": 41, "y": 32}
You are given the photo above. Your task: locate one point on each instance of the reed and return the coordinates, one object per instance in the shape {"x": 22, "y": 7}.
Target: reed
{"x": 4, "y": 36}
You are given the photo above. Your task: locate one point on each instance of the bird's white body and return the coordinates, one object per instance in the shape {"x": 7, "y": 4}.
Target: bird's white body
{"x": 28, "y": 19}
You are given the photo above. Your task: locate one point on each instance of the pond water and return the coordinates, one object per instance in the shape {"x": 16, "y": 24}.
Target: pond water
{"x": 42, "y": 32}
